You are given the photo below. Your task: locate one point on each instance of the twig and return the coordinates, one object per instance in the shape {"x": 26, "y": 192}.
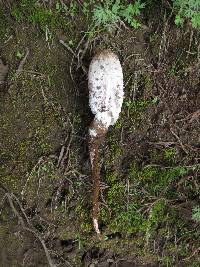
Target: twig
{"x": 68, "y": 48}
{"x": 60, "y": 257}
{"x": 162, "y": 143}
{"x": 72, "y": 61}
{"x": 21, "y": 208}
{"x": 14, "y": 209}
{"x": 128, "y": 57}
{"x": 30, "y": 175}
{"x": 9, "y": 38}
{"x": 191, "y": 37}
{"x": 179, "y": 140}
{"x": 198, "y": 53}
{"x": 34, "y": 72}
{"x": 66, "y": 155}
{"x": 195, "y": 115}
{"x": 61, "y": 155}
{"x": 193, "y": 254}
{"x": 162, "y": 44}
{"x": 65, "y": 150}
{"x": 51, "y": 264}
{"x": 79, "y": 44}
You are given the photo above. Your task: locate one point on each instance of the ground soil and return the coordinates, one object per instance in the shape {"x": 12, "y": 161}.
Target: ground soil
{"x": 45, "y": 183}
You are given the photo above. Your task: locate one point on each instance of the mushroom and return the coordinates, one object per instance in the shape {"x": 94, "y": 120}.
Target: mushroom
{"x": 105, "y": 83}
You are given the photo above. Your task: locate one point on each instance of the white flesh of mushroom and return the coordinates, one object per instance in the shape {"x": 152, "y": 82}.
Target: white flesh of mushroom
{"x": 105, "y": 82}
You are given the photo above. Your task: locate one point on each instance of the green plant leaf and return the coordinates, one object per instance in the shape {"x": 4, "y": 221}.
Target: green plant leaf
{"x": 196, "y": 213}
{"x": 196, "y": 20}
{"x": 178, "y": 20}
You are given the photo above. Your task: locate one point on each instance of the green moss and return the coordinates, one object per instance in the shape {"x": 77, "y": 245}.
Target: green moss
{"x": 44, "y": 148}
{"x": 24, "y": 146}
{"x": 138, "y": 106}
{"x": 155, "y": 156}
{"x": 178, "y": 66}
{"x": 157, "y": 214}
{"x": 148, "y": 80}
{"x": 157, "y": 180}
{"x": 63, "y": 234}
{"x": 154, "y": 181}
{"x": 11, "y": 182}
{"x": 114, "y": 151}
{"x": 128, "y": 221}
{"x": 135, "y": 112}
{"x": 169, "y": 153}
{"x": 154, "y": 38}
{"x": 4, "y": 29}
{"x": 83, "y": 214}
{"x": 111, "y": 177}
{"x": 38, "y": 15}
{"x": 114, "y": 194}
{"x": 167, "y": 261}
{"x": 119, "y": 124}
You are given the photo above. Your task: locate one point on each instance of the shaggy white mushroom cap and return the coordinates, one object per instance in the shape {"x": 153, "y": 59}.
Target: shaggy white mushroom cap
{"x": 105, "y": 82}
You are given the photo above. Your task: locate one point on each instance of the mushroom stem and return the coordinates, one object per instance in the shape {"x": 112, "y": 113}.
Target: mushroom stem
{"x": 94, "y": 158}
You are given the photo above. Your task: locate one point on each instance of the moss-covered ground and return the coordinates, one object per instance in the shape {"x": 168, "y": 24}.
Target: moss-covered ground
{"x": 150, "y": 206}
